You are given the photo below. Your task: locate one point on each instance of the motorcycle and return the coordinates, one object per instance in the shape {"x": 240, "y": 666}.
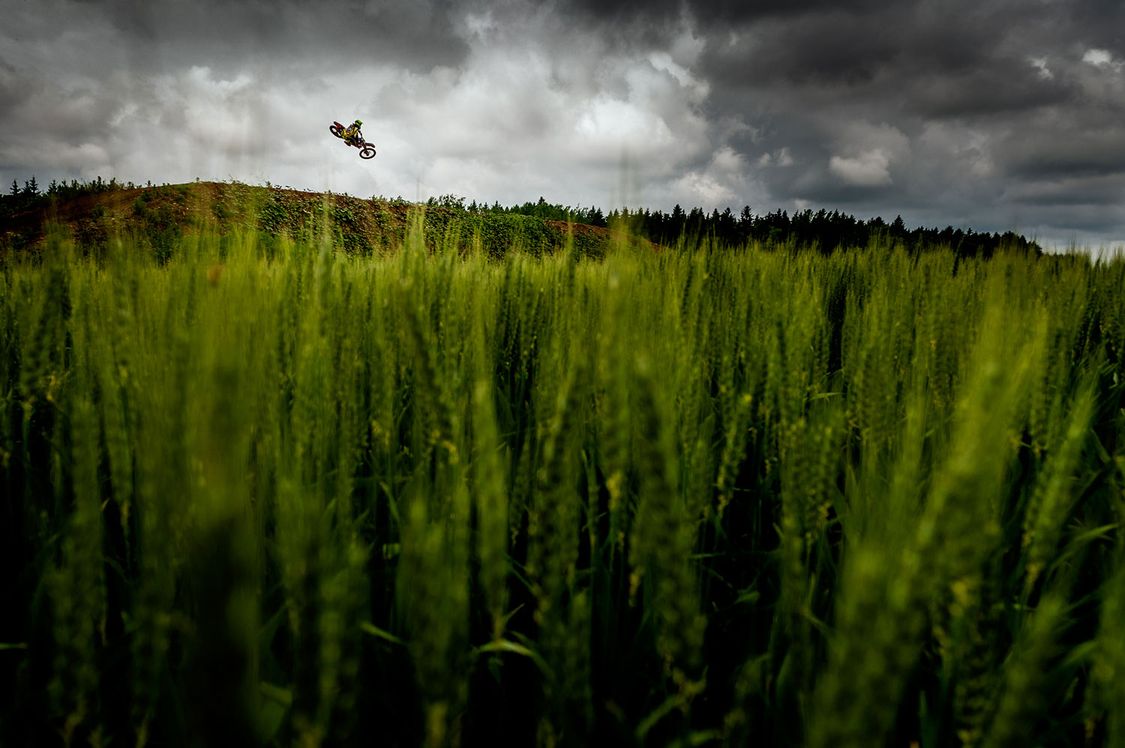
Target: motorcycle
{"x": 366, "y": 150}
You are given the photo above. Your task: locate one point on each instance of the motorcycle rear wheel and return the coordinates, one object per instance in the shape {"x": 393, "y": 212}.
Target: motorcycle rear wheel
{"x": 336, "y": 130}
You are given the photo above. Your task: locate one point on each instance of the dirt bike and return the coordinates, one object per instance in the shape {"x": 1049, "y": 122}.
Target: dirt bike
{"x": 366, "y": 150}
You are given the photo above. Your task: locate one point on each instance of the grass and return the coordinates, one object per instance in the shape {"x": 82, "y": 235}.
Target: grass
{"x": 273, "y": 492}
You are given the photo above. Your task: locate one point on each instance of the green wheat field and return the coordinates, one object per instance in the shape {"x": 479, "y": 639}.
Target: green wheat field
{"x": 264, "y": 491}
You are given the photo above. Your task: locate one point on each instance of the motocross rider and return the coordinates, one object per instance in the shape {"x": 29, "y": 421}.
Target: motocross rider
{"x": 352, "y": 135}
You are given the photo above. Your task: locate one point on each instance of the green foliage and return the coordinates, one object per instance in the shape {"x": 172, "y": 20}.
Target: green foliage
{"x": 326, "y": 472}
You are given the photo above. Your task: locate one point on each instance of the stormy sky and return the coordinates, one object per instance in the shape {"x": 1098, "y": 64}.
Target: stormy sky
{"x": 990, "y": 114}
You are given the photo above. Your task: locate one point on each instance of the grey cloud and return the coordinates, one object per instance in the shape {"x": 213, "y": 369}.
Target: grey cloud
{"x": 1011, "y": 122}
{"x": 1004, "y": 88}
{"x": 15, "y": 88}
{"x": 657, "y": 12}
{"x": 834, "y": 49}
{"x": 726, "y": 12}
{"x": 861, "y": 52}
{"x": 1059, "y": 155}
{"x": 1095, "y": 224}
{"x": 1100, "y": 192}
{"x": 994, "y": 114}
{"x": 1100, "y": 23}
{"x": 414, "y": 35}
{"x": 706, "y": 14}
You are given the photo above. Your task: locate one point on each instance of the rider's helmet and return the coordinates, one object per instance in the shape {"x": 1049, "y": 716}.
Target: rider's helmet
{"x": 359, "y": 123}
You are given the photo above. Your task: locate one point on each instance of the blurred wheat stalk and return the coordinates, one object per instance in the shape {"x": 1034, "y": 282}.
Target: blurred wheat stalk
{"x": 264, "y": 491}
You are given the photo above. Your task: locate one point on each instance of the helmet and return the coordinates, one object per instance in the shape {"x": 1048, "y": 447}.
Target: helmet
{"x": 359, "y": 122}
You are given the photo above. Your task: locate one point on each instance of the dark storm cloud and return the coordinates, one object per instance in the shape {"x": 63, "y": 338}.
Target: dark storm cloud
{"x": 891, "y": 107}
{"x": 1096, "y": 191}
{"x": 895, "y": 107}
{"x": 1007, "y": 87}
{"x": 706, "y": 13}
{"x": 86, "y": 84}
{"x": 14, "y": 87}
{"x": 414, "y": 35}
{"x": 1065, "y": 153}
{"x": 996, "y": 114}
{"x": 653, "y": 13}
{"x": 1101, "y": 22}
{"x": 888, "y": 107}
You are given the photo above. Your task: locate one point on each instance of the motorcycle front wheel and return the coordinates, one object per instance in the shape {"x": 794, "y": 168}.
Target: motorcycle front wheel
{"x": 367, "y": 151}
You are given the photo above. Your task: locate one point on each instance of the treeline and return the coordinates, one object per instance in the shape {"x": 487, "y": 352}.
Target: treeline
{"x": 73, "y": 188}
{"x": 821, "y": 230}
{"x": 592, "y": 215}
{"x": 31, "y": 195}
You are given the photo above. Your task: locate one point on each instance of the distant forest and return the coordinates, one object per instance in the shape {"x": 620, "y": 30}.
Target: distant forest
{"x": 821, "y": 230}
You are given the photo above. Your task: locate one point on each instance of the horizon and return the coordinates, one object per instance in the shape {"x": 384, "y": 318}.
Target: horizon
{"x": 1106, "y": 250}
{"x": 823, "y": 228}
{"x": 465, "y": 201}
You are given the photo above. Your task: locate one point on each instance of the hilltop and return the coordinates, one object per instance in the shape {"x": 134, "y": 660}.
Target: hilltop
{"x": 159, "y": 215}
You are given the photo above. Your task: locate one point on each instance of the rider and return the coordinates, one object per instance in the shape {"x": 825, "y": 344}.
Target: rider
{"x": 352, "y": 134}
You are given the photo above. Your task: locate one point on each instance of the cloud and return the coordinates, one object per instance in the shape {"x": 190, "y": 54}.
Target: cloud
{"x": 1040, "y": 65}
{"x": 1101, "y": 58}
{"x": 722, "y": 181}
{"x": 868, "y": 169}
{"x": 781, "y": 157}
{"x": 994, "y": 114}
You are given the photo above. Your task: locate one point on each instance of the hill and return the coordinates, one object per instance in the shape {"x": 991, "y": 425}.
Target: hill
{"x": 94, "y": 211}
{"x": 159, "y": 215}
